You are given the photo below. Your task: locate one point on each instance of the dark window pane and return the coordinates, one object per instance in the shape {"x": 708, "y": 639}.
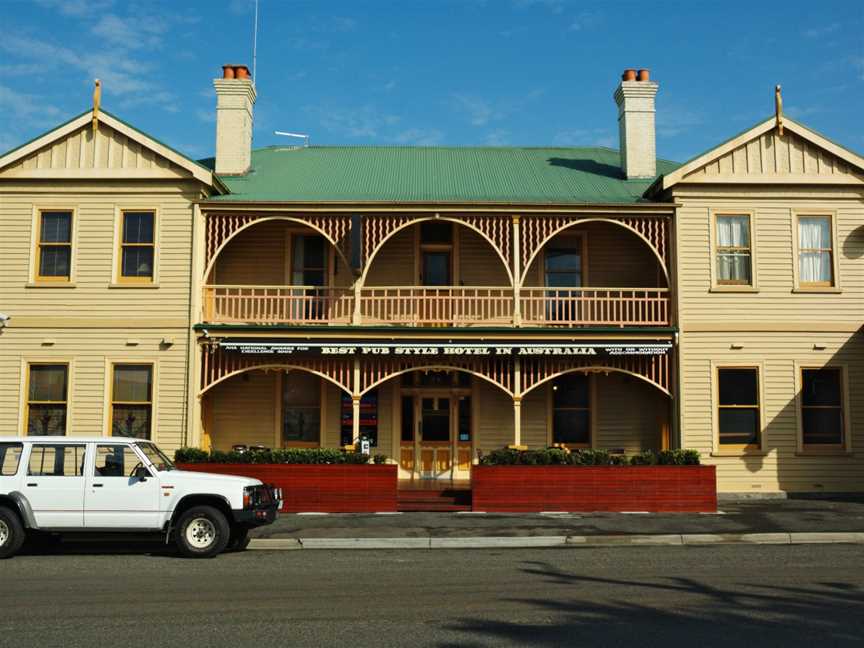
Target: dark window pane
{"x": 434, "y": 378}
{"x": 313, "y": 278}
{"x": 571, "y": 426}
{"x": 46, "y": 420}
{"x": 137, "y": 262}
{"x": 436, "y": 419}
{"x": 436, "y": 268}
{"x": 465, "y": 418}
{"x": 56, "y": 227}
{"x": 54, "y": 261}
{"x": 368, "y": 419}
{"x": 558, "y": 260}
{"x": 48, "y": 382}
{"x": 131, "y": 421}
{"x": 302, "y": 424}
{"x": 407, "y": 418}
{"x": 739, "y": 386}
{"x": 133, "y": 383}
{"x": 822, "y": 426}
{"x": 115, "y": 461}
{"x": 463, "y": 379}
{"x": 821, "y": 387}
{"x": 314, "y": 251}
{"x": 571, "y": 390}
{"x": 441, "y": 233}
{"x": 138, "y": 227}
{"x": 738, "y": 426}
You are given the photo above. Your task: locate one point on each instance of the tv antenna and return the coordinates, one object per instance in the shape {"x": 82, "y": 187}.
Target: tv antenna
{"x": 255, "y": 46}
{"x": 300, "y": 135}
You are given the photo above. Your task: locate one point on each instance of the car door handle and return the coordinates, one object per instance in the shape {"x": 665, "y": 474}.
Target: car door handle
{"x": 97, "y": 485}
{"x": 32, "y": 485}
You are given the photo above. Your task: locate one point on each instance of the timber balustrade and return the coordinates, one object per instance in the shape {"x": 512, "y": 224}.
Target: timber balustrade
{"x": 437, "y": 306}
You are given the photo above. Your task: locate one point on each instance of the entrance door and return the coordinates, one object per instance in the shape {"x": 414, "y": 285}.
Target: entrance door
{"x": 436, "y": 437}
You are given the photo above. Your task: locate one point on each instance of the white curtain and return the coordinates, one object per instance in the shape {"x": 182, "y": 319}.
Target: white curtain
{"x": 814, "y": 265}
{"x": 733, "y": 232}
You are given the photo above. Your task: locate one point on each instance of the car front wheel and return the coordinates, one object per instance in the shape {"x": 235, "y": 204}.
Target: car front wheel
{"x": 202, "y": 532}
{"x": 11, "y": 533}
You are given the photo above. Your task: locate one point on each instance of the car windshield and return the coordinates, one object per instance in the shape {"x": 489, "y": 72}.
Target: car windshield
{"x": 156, "y": 456}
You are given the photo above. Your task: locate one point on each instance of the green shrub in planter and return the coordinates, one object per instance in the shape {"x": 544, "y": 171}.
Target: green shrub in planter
{"x": 588, "y": 457}
{"x": 277, "y": 456}
{"x": 379, "y": 459}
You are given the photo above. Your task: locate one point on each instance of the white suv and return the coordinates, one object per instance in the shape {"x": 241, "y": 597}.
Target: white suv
{"x": 62, "y": 484}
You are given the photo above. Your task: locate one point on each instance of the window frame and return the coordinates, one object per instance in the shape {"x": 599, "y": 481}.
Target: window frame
{"x": 118, "y": 280}
{"x": 581, "y": 235}
{"x": 735, "y": 449}
{"x": 592, "y": 410}
{"x": 24, "y": 419}
{"x": 818, "y": 286}
{"x": 845, "y": 446}
{"x": 36, "y": 279}
{"x": 454, "y": 248}
{"x": 111, "y": 402}
{"x": 716, "y": 284}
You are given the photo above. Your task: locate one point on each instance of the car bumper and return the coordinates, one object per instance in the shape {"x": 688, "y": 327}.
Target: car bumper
{"x": 257, "y": 516}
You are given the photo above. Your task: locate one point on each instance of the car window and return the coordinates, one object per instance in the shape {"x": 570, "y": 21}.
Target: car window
{"x": 54, "y": 460}
{"x": 10, "y": 457}
{"x": 115, "y": 460}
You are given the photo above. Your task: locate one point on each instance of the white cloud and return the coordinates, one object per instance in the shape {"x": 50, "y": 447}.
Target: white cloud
{"x": 585, "y": 137}
{"x": 77, "y": 8}
{"x": 479, "y": 111}
{"x": 821, "y": 32}
{"x": 418, "y": 137}
{"x": 498, "y": 137}
{"x": 555, "y": 6}
{"x": 366, "y": 121}
{"x": 672, "y": 121}
{"x": 586, "y": 20}
{"x": 27, "y": 109}
{"x": 130, "y": 33}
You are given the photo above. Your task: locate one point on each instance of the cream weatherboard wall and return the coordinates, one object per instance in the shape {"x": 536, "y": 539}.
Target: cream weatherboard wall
{"x": 775, "y": 324}
{"x": 95, "y": 320}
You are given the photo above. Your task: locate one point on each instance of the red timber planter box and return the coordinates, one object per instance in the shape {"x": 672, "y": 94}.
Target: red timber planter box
{"x": 320, "y": 488}
{"x": 658, "y": 489}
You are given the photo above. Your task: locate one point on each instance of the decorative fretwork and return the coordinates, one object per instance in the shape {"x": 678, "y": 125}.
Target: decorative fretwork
{"x": 537, "y": 229}
{"x": 217, "y": 365}
{"x": 373, "y": 370}
{"x": 495, "y": 228}
{"x": 653, "y": 368}
{"x": 221, "y": 228}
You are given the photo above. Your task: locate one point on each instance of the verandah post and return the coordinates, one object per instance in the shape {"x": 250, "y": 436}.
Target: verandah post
{"x": 517, "y": 273}
{"x": 355, "y": 404}
{"x": 517, "y": 404}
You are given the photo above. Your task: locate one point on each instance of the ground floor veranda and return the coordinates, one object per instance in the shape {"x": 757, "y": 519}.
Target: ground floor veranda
{"x": 435, "y": 417}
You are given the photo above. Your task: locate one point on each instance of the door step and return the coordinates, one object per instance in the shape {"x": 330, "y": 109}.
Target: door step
{"x": 428, "y": 499}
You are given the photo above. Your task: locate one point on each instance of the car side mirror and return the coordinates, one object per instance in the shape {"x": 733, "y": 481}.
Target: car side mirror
{"x": 141, "y": 473}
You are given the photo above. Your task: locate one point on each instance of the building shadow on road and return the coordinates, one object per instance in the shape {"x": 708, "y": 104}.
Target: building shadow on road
{"x": 689, "y": 613}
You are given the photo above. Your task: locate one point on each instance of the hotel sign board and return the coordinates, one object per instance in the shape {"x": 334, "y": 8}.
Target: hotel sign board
{"x": 449, "y": 349}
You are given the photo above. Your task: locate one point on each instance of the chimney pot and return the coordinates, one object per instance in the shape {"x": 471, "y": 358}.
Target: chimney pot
{"x": 644, "y": 75}
{"x": 227, "y": 71}
{"x": 629, "y": 75}
{"x": 241, "y": 72}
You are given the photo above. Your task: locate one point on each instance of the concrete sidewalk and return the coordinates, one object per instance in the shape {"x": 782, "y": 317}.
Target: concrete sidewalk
{"x": 789, "y": 521}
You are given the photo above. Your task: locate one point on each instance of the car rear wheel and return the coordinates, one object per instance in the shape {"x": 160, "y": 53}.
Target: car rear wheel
{"x": 11, "y": 533}
{"x": 202, "y": 532}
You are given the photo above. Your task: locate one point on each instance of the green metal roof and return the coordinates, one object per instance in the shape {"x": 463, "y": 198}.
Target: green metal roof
{"x": 384, "y": 174}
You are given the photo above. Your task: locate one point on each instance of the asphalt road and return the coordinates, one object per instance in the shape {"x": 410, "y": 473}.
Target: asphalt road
{"x": 666, "y": 596}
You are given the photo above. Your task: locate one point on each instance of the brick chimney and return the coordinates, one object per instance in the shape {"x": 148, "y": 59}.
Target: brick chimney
{"x": 235, "y": 97}
{"x": 635, "y": 99}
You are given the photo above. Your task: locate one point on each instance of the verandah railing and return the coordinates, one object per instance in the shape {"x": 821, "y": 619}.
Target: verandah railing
{"x": 438, "y": 305}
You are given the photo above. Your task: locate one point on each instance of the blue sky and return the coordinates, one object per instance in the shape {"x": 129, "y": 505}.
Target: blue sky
{"x": 450, "y": 72}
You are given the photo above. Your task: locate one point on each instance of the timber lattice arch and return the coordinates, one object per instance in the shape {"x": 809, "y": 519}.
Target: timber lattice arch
{"x": 516, "y": 239}
{"x": 356, "y": 375}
